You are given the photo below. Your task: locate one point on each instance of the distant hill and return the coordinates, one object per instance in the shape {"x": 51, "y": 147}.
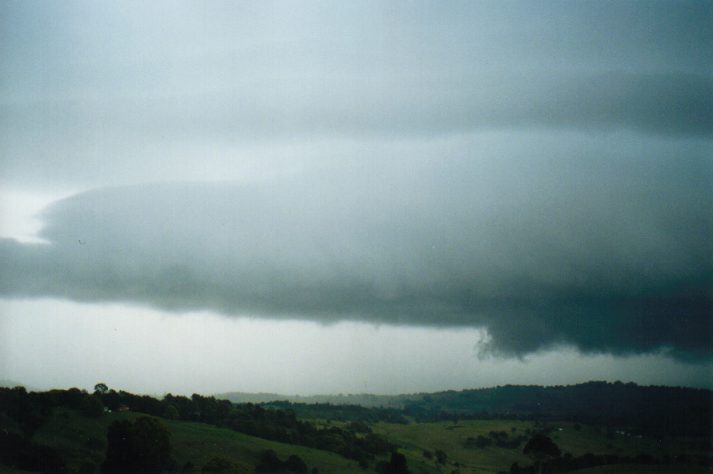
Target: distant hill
{"x": 364, "y": 399}
{"x": 651, "y": 409}
{"x": 648, "y": 409}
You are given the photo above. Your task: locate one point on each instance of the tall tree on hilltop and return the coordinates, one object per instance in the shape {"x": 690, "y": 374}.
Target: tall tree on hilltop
{"x": 540, "y": 448}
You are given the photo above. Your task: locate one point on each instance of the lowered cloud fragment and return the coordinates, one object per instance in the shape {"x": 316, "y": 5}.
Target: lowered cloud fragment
{"x": 608, "y": 255}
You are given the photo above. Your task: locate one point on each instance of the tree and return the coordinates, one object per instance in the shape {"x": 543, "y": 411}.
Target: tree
{"x": 271, "y": 464}
{"x": 171, "y": 412}
{"x": 141, "y": 446}
{"x": 295, "y": 464}
{"x": 19, "y": 452}
{"x": 541, "y": 448}
{"x": 396, "y": 465}
{"x": 91, "y": 407}
{"x": 220, "y": 465}
{"x": 101, "y": 388}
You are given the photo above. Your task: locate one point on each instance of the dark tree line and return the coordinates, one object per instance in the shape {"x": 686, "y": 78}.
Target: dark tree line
{"x": 501, "y": 439}
{"x": 271, "y": 464}
{"x": 139, "y": 446}
{"x": 29, "y": 410}
{"x": 329, "y": 411}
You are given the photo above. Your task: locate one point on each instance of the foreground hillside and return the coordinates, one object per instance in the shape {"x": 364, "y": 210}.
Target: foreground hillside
{"x": 75, "y": 431}
{"x": 81, "y": 439}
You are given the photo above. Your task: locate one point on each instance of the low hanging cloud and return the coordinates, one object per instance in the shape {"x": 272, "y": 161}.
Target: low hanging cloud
{"x": 609, "y": 255}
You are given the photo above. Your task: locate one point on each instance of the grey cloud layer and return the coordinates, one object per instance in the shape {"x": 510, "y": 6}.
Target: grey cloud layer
{"x": 608, "y": 255}
{"x": 112, "y": 139}
{"x": 105, "y": 93}
{"x": 668, "y": 104}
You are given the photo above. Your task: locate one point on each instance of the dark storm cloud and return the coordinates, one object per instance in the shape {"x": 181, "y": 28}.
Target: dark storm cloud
{"x": 610, "y": 255}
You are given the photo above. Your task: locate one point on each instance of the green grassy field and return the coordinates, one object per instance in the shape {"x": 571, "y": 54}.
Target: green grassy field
{"x": 198, "y": 442}
{"x": 450, "y": 438}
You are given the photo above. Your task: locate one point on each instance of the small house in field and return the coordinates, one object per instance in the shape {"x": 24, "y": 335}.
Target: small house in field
{"x": 122, "y": 408}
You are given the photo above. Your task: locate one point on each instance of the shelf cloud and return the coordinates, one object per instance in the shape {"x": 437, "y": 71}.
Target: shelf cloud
{"x": 607, "y": 255}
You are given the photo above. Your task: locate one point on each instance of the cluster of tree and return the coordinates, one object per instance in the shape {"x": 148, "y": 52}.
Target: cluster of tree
{"x": 271, "y": 464}
{"x": 114, "y": 401}
{"x": 26, "y": 411}
{"x": 547, "y": 457}
{"x": 29, "y": 410}
{"x": 20, "y": 452}
{"x": 329, "y": 411}
{"x": 143, "y": 445}
{"x": 440, "y": 456}
{"x": 540, "y": 448}
{"x": 395, "y": 465}
{"x": 217, "y": 465}
{"x": 501, "y": 439}
{"x": 568, "y": 462}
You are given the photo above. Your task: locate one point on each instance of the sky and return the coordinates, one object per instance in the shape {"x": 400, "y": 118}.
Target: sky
{"x": 349, "y": 197}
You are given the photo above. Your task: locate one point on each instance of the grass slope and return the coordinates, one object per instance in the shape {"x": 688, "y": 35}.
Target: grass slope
{"x": 79, "y": 439}
{"x": 450, "y": 438}
{"x": 198, "y": 442}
